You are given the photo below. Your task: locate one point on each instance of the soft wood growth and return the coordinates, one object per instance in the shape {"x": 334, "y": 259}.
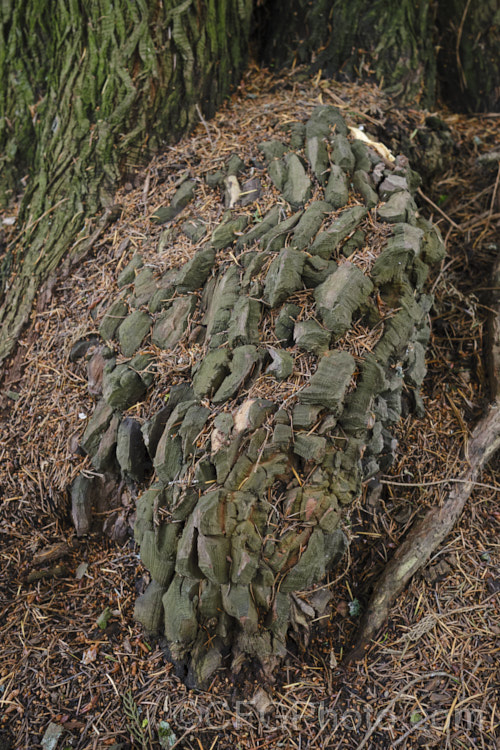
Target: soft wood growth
{"x": 307, "y": 330}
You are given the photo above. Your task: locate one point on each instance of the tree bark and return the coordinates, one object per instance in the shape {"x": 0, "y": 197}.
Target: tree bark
{"x": 414, "y": 50}
{"x": 468, "y": 57}
{"x": 89, "y": 89}
{"x": 388, "y": 41}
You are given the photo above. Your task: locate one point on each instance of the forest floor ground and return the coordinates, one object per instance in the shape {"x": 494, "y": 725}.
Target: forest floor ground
{"x": 430, "y": 681}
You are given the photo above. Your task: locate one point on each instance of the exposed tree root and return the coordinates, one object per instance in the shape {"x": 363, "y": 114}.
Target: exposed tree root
{"x": 428, "y": 533}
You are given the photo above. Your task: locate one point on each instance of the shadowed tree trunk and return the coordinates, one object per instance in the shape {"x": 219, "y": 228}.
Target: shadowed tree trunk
{"x": 468, "y": 57}
{"x": 85, "y": 89}
{"x": 409, "y": 48}
{"x": 389, "y": 41}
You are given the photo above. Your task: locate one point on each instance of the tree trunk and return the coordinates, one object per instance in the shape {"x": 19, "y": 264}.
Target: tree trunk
{"x": 307, "y": 330}
{"x": 88, "y": 89}
{"x": 412, "y": 49}
{"x": 468, "y": 58}
{"x": 388, "y": 41}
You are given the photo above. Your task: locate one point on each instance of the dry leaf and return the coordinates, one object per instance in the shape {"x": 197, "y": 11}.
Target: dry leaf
{"x": 384, "y": 152}
{"x": 90, "y": 655}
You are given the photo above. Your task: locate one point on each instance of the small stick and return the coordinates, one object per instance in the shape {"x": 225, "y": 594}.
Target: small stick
{"x": 494, "y": 193}
{"x": 440, "y": 210}
{"x": 202, "y": 119}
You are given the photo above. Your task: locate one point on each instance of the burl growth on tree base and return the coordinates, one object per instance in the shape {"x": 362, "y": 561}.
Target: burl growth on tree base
{"x": 304, "y": 330}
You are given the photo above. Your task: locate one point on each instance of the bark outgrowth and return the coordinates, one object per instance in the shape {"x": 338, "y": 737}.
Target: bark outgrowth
{"x": 299, "y": 344}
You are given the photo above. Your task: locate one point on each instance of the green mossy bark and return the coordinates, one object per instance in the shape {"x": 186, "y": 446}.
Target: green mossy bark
{"x": 88, "y": 90}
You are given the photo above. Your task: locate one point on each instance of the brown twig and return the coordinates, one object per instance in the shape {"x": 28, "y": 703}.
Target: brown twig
{"x": 463, "y": 81}
{"x": 439, "y": 210}
{"x": 493, "y": 197}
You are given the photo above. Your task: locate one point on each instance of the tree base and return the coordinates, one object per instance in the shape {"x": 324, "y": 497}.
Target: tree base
{"x": 303, "y": 326}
